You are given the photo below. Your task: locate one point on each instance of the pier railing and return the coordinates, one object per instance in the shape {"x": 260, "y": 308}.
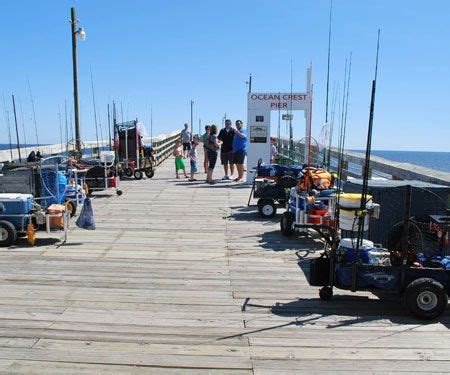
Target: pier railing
{"x": 162, "y": 145}
{"x": 353, "y": 164}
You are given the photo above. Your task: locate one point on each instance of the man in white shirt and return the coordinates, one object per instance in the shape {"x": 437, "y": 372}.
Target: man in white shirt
{"x": 186, "y": 138}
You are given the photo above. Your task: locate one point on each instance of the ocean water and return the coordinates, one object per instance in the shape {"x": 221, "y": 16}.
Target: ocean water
{"x": 428, "y": 159}
{"x": 5, "y": 146}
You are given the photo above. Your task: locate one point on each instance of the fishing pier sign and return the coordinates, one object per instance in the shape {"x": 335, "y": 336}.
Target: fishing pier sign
{"x": 259, "y": 108}
{"x": 275, "y": 101}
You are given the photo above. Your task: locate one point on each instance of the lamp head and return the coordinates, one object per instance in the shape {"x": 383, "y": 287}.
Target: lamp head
{"x": 81, "y": 34}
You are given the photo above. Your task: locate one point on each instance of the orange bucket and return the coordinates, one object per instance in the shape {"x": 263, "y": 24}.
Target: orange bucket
{"x": 56, "y": 222}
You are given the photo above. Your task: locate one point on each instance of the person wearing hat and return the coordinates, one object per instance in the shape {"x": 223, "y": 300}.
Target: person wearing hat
{"x": 193, "y": 159}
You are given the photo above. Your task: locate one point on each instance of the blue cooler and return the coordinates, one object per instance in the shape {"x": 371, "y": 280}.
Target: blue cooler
{"x": 347, "y": 248}
{"x": 16, "y": 204}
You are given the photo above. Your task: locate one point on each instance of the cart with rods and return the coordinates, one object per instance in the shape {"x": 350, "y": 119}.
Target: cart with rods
{"x": 134, "y": 158}
{"x": 424, "y": 288}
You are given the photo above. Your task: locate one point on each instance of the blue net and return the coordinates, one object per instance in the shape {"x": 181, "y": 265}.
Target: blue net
{"x": 54, "y": 184}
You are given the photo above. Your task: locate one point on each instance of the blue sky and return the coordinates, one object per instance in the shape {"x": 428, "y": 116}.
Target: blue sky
{"x": 166, "y": 53}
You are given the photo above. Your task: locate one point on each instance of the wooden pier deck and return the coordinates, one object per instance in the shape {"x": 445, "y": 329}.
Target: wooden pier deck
{"x": 182, "y": 277}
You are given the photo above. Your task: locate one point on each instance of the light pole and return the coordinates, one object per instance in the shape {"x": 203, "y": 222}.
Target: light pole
{"x": 249, "y": 83}
{"x": 80, "y": 34}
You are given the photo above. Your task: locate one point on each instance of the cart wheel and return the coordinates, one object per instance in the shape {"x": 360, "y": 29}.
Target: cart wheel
{"x": 266, "y": 208}
{"x": 149, "y": 172}
{"x": 72, "y": 208}
{"x": 128, "y": 172}
{"x": 426, "y": 298}
{"x": 138, "y": 174}
{"x": 326, "y": 293}
{"x": 8, "y": 233}
{"x": 119, "y": 192}
{"x": 286, "y": 222}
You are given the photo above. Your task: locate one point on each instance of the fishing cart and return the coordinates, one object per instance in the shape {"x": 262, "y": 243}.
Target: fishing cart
{"x": 311, "y": 205}
{"x": 271, "y": 186}
{"x": 21, "y": 216}
{"x": 407, "y": 268}
{"x": 134, "y": 158}
{"x": 58, "y": 185}
{"x": 39, "y": 180}
{"x": 100, "y": 174}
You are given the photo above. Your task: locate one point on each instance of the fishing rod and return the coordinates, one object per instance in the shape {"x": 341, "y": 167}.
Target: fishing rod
{"x": 95, "y": 110}
{"x": 100, "y": 128}
{"x": 346, "y": 99}
{"x": 109, "y": 130}
{"x": 67, "y": 127}
{"x": 34, "y": 114}
{"x": 341, "y": 144}
{"x": 345, "y": 111}
{"x": 71, "y": 126}
{"x": 60, "y": 128}
{"x": 8, "y": 124}
{"x": 17, "y": 128}
{"x": 23, "y": 122}
{"x": 279, "y": 125}
{"x": 330, "y": 139}
{"x": 361, "y": 217}
{"x": 325, "y": 156}
{"x": 310, "y": 127}
{"x": 291, "y": 131}
{"x": 114, "y": 127}
{"x": 341, "y": 126}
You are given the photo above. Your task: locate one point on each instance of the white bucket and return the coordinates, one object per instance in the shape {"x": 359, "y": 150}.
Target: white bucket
{"x": 349, "y": 221}
{"x": 351, "y": 200}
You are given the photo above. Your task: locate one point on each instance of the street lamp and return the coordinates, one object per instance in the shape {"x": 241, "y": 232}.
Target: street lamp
{"x": 81, "y": 35}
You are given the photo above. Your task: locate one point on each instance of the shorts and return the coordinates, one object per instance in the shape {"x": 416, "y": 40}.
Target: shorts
{"x": 239, "y": 156}
{"x": 179, "y": 164}
{"x": 187, "y": 146}
{"x": 212, "y": 158}
{"x": 193, "y": 166}
{"x": 226, "y": 158}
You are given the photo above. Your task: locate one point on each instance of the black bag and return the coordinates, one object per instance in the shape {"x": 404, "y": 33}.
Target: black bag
{"x": 319, "y": 271}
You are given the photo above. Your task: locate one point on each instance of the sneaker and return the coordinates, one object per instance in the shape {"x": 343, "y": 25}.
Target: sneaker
{"x": 225, "y": 177}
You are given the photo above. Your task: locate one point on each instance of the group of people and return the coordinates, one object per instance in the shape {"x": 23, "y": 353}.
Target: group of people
{"x": 230, "y": 142}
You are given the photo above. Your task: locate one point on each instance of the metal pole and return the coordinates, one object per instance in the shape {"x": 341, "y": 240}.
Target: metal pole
{"x": 192, "y": 117}
{"x": 75, "y": 81}
{"x": 199, "y": 127}
{"x": 17, "y": 129}
{"x": 250, "y": 84}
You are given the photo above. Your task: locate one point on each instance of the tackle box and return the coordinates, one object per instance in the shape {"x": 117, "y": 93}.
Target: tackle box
{"x": 16, "y": 203}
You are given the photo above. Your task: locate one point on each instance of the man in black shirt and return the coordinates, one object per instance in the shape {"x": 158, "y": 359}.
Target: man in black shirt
{"x": 226, "y": 135}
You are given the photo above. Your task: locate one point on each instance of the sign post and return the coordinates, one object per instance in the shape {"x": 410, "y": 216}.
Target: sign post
{"x": 259, "y": 107}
